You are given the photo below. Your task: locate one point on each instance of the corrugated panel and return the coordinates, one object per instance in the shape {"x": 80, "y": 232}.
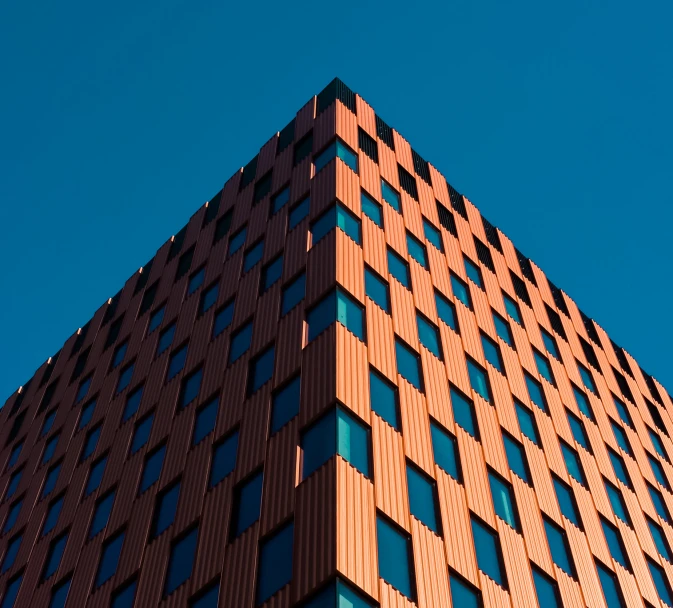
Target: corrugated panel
{"x": 432, "y": 584}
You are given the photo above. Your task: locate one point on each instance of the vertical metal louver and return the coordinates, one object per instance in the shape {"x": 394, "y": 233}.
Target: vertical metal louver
{"x": 421, "y": 167}
{"x": 623, "y": 385}
{"x": 492, "y": 235}
{"x": 368, "y": 145}
{"x": 652, "y": 386}
{"x": 262, "y": 187}
{"x": 484, "y": 254}
{"x": 590, "y": 354}
{"x": 446, "y": 219}
{"x": 143, "y": 277}
{"x": 249, "y": 173}
{"x": 333, "y": 91}
{"x": 407, "y": 182}
{"x": 621, "y": 358}
{"x": 111, "y": 309}
{"x": 212, "y": 209}
{"x": 457, "y": 201}
{"x": 555, "y": 322}
{"x": 558, "y": 299}
{"x": 520, "y": 288}
{"x": 285, "y": 137}
{"x": 385, "y": 133}
{"x": 591, "y": 329}
{"x": 526, "y": 267}
{"x": 176, "y": 245}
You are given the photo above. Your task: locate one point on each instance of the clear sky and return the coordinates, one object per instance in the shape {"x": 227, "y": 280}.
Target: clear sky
{"x": 118, "y": 120}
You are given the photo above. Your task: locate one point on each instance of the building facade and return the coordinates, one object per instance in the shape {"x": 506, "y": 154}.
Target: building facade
{"x": 338, "y": 385}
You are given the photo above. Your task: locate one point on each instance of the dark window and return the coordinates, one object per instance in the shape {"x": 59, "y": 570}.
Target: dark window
{"x": 176, "y": 362}
{"x": 395, "y": 557}
{"x": 271, "y": 273}
{"x": 516, "y": 458}
{"x": 59, "y": 593}
{"x": 587, "y": 378}
{"x": 237, "y": 241}
{"x": 573, "y": 463}
{"x": 206, "y": 598}
{"x": 659, "y": 504}
{"x": 205, "y": 419}
{"x": 240, "y": 342}
{"x": 423, "y": 501}
{"x": 484, "y": 254}
{"x": 285, "y": 404}
{"x": 503, "y": 499}
{"x": 111, "y": 309}
{"x": 492, "y": 353}
{"x": 578, "y": 431}
{"x": 124, "y": 596}
{"x": 384, "y": 133}
{"x": 623, "y": 412}
{"x": 473, "y": 272}
{"x": 10, "y": 554}
{"x": 368, "y": 145}
{"x": 124, "y": 378}
{"x": 12, "y": 515}
{"x": 428, "y": 335}
{"x": 11, "y": 591}
{"x": 457, "y": 201}
{"x": 54, "y": 555}
{"x": 53, "y": 512}
{"x": 145, "y": 304}
{"x": 560, "y": 549}
{"x": 293, "y": 293}
{"x": 384, "y": 399}
{"x": 337, "y": 217}
{"x": 337, "y": 594}
{"x": 132, "y": 403}
{"x": 407, "y": 182}
{"x": 657, "y": 469}
{"x": 512, "y": 309}
{"x": 621, "y": 438}
{"x": 520, "y": 289}
{"x": 86, "y": 414}
{"x": 222, "y": 226}
{"x": 165, "y": 507}
{"x": 337, "y": 149}
{"x": 90, "y": 442}
{"x": 377, "y": 290}
{"x": 446, "y": 311}
{"x": 275, "y": 563}
{"x": 249, "y": 173}
{"x": 555, "y": 322}
{"x": 208, "y": 298}
{"x": 212, "y": 209}
{"x": 81, "y": 391}
{"x": 590, "y": 354}
{"x": 253, "y": 256}
{"x": 617, "y": 502}
{"x": 421, "y": 167}
{"x": 371, "y": 209}
{"x": 479, "y": 380}
{"x": 391, "y": 196}
{"x": 101, "y": 514}
{"x": 190, "y": 388}
{"x": 152, "y": 470}
{"x": 184, "y": 263}
{"x": 80, "y": 364}
{"x": 399, "y": 269}
{"x": 196, "y": 280}
{"x": 262, "y": 187}
{"x": 620, "y": 468}
{"x": 176, "y": 243}
{"x": 615, "y": 543}
{"x": 527, "y": 423}
{"x": 247, "y": 503}
{"x": 656, "y": 417}
{"x": 408, "y": 364}
{"x": 285, "y": 138}
{"x": 51, "y": 479}
{"x": 224, "y": 459}
{"x": 535, "y": 392}
{"x": 155, "y": 319}
{"x": 657, "y": 443}
{"x": 13, "y": 484}
{"x": 417, "y": 251}
{"x": 109, "y": 558}
{"x": 460, "y": 290}
{"x": 261, "y": 370}
{"x": 48, "y": 422}
{"x": 223, "y": 318}
{"x": 337, "y": 306}
{"x": 50, "y": 448}
{"x": 566, "y": 501}
{"x": 298, "y": 212}
{"x": 446, "y": 219}
{"x": 546, "y": 590}
{"x": 489, "y": 556}
{"x": 303, "y": 148}
{"x": 623, "y": 385}
{"x": 463, "y": 413}
{"x": 95, "y": 476}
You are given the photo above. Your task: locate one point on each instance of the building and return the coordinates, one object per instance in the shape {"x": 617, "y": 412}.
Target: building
{"x": 338, "y": 379}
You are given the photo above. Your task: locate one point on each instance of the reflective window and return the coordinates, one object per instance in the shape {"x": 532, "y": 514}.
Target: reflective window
{"x": 587, "y": 378}
{"x": 293, "y": 293}
{"x": 583, "y": 403}
{"x": 50, "y": 448}
{"x": 463, "y": 413}
{"x": 417, "y": 251}
{"x": 620, "y": 468}
{"x": 573, "y": 463}
{"x": 376, "y": 289}
{"x": 205, "y": 419}
{"x": 489, "y": 557}
{"x": 141, "y": 433}
{"x": 337, "y": 149}
{"x": 253, "y": 256}
{"x": 338, "y": 595}
{"x": 384, "y": 399}
{"x": 118, "y": 355}
{"x": 86, "y": 414}
{"x": 535, "y": 392}
{"x": 399, "y": 269}
{"x": 190, "y": 388}
{"x": 337, "y": 217}
{"x": 610, "y": 587}
{"x": 660, "y": 540}
{"x": 566, "y": 501}
{"x": 208, "y": 298}
{"x": 579, "y": 433}
{"x": 503, "y": 500}
{"x": 623, "y": 411}
{"x": 546, "y": 590}
{"x": 394, "y": 550}
{"x": 464, "y": 595}
{"x": 164, "y": 509}
{"x": 423, "y": 498}
{"x": 90, "y": 442}
{"x": 124, "y": 596}
{"x": 280, "y": 199}
{"x": 275, "y": 563}
{"x": 10, "y": 554}
{"x": 433, "y": 235}
{"x": 658, "y": 444}
{"x": 247, "y": 504}
{"x": 14, "y": 455}
{"x": 661, "y": 582}
{"x": 176, "y": 362}
{"x": 445, "y": 449}
{"x": 473, "y": 272}
{"x": 181, "y": 560}
{"x": 83, "y": 389}
{"x": 50, "y": 480}
{"x": 298, "y": 212}
{"x": 543, "y": 367}
{"x": 196, "y": 280}
{"x": 615, "y": 543}
{"x": 516, "y": 458}
{"x": 558, "y": 544}
{"x": 12, "y": 516}
{"x": 512, "y": 309}
{"x": 124, "y": 378}
{"x": 165, "y": 339}
{"x": 48, "y": 423}
{"x": 620, "y": 436}
{"x": 372, "y": 209}
{"x": 271, "y": 273}
{"x": 223, "y": 318}
{"x": 101, "y": 514}
{"x": 95, "y": 476}
{"x": 408, "y": 364}
{"x": 658, "y": 471}
{"x": 208, "y": 598}
{"x": 390, "y": 196}
{"x": 478, "y": 380}
{"x": 527, "y": 423}
{"x": 503, "y": 329}
{"x": 237, "y": 241}
{"x": 492, "y": 353}
{"x": 132, "y": 403}
{"x": 240, "y": 342}
{"x": 51, "y": 518}
{"x": 550, "y": 344}
{"x": 428, "y": 335}
{"x": 617, "y": 502}
{"x": 460, "y": 291}
{"x": 152, "y": 470}
{"x": 224, "y": 459}
{"x": 285, "y": 404}
{"x": 446, "y": 311}
{"x": 11, "y": 591}
{"x": 261, "y": 370}
{"x": 337, "y": 306}
{"x": 13, "y": 484}
{"x": 54, "y": 555}
{"x": 59, "y": 594}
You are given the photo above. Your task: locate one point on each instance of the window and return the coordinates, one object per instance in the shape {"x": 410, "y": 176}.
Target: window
{"x": 109, "y": 558}
{"x": 408, "y": 364}
{"x": 503, "y": 500}
{"x": 658, "y": 444}
{"x": 558, "y": 544}
{"x": 59, "y": 594}
{"x": 478, "y": 380}
{"x": 13, "y": 484}
{"x": 492, "y": 353}
{"x": 516, "y": 458}
{"x": 660, "y": 540}
{"x": 423, "y": 499}
{"x": 50, "y": 448}
{"x": 428, "y": 335}
{"x": 124, "y": 378}
{"x": 271, "y": 273}
{"x": 338, "y": 595}
{"x": 573, "y": 463}
{"x": 658, "y": 471}
{"x": 54, "y": 555}
{"x": 587, "y": 378}
{"x": 417, "y": 251}
{"x": 223, "y": 318}
{"x": 446, "y": 311}
{"x": 124, "y": 596}
{"x": 247, "y": 504}
{"x": 337, "y": 149}
{"x": 463, "y": 413}
{"x": 12, "y": 516}
{"x": 165, "y": 507}
{"x": 512, "y": 309}
{"x": 617, "y": 502}
{"x": 383, "y": 399}
{"x": 433, "y": 235}
{"x": 119, "y": 354}
{"x": 14, "y": 456}
{"x": 566, "y": 501}
{"x": 377, "y": 290}
{"x": 623, "y": 411}
{"x": 463, "y": 594}
{"x": 395, "y": 557}
{"x": 293, "y": 293}
{"x": 95, "y": 476}
{"x": 583, "y": 403}
{"x": 337, "y": 216}
{"x": 280, "y": 199}
{"x": 86, "y": 414}
{"x": 460, "y": 290}
{"x": 473, "y": 272}
{"x": 196, "y": 280}
{"x": 535, "y": 392}
{"x": 620, "y": 468}
{"x": 50, "y": 479}
{"x": 207, "y": 598}
{"x": 543, "y": 367}
{"x": 371, "y": 209}
{"x": 90, "y": 442}
{"x": 503, "y": 329}
{"x": 550, "y": 344}
{"x": 337, "y": 306}
{"x": 165, "y": 339}
{"x": 132, "y": 403}
{"x": 399, "y": 269}
{"x": 240, "y": 342}
{"x": 621, "y": 438}
{"x": 176, "y": 362}
{"x": 336, "y": 433}
{"x": 445, "y": 449}
{"x": 390, "y": 196}
{"x": 489, "y": 557}
{"x": 141, "y": 433}
{"x": 11, "y": 591}
{"x": 275, "y": 563}
{"x": 253, "y": 256}
{"x": 48, "y": 422}
{"x": 224, "y": 459}
{"x": 152, "y": 470}
{"x": 303, "y": 148}
{"x": 101, "y": 514}
{"x": 190, "y": 388}
{"x": 661, "y": 582}
{"x": 299, "y": 212}
{"x": 285, "y": 404}
{"x": 205, "y": 419}
{"x": 51, "y": 518}
{"x": 261, "y": 370}
{"x": 579, "y": 433}
{"x": 546, "y": 590}
{"x": 81, "y": 391}
{"x": 615, "y": 543}
{"x": 237, "y": 241}
{"x": 527, "y": 423}
{"x": 10, "y": 554}
{"x": 155, "y": 319}
{"x": 610, "y": 586}
{"x": 208, "y": 298}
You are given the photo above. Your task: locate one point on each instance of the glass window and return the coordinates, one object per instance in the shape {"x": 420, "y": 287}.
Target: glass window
{"x": 118, "y": 355}
{"x": 478, "y": 380}
{"x": 54, "y": 555}
{"x": 661, "y": 582}
{"x": 205, "y": 419}
{"x": 417, "y": 251}
{"x": 492, "y": 353}
{"x": 285, "y": 404}
{"x": 620, "y": 436}
{"x": 617, "y": 502}
{"x": 208, "y": 598}
{"x": 527, "y": 423}
{"x": 11, "y": 591}
{"x": 14, "y": 456}
{"x": 12, "y": 516}
{"x": 124, "y": 378}
{"x": 660, "y": 540}
{"x": 503, "y": 500}
{"x": 503, "y": 329}
{"x": 658, "y": 471}
{"x": 512, "y": 309}
{"x": 543, "y": 367}
{"x": 390, "y": 196}
{"x": 446, "y": 311}
{"x": 460, "y": 290}
{"x": 464, "y": 595}
{"x": 583, "y": 403}
{"x": 13, "y": 484}
{"x": 299, "y": 212}
{"x": 165, "y": 339}
{"x": 237, "y": 241}
{"x": 620, "y": 468}
{"x": 50, "y": 480}
{"x": 535, "y": 392}
{"x": 181, "y": 560}
{"x": 50, "y": 448}
{"x": 51, "y": 518}
{"x": 280, "y": 199}
{"x": 132, "y": 403}
{"x": 10, "y": 554}
{"x": 90, "y": 442}
{"x": 579, "y": 433}
{"x": 293, "y": 293}
{"x": 337, "y": 216}
{"x": 86, "y": 414}
{"x": 95, "y": 476}
{"x": 473, "y": 272}
{"x": 275, "y": 563}
{"x": 208, "y": 298}
{"x": 657, "y": 443}
{"x": 83, "y": 389}
{"x": 423, "y": 498}
{"x": 546, "y": 590}
{"x": 176, "y": 362}
{"x": 303, "y": 148}
{"x": 164, "y": 509}
{"x": 558, "y": 544}
{"x": 223, "y": 318}
{"x": 587, "y": 378}
{"x": 623, "y": 411}
{"x": 384, "y": 399}
{"x": 141, "y": 433}
{"x": 196, "y": 280}
{"x": 550, "y": 344}
{"x": 101, "y": 514}
{"x": 190, "y": 388}
{"x": 224, "y": 459}
{"x": 573, "y": 463}
{"x": 615, "y": 543}
{"x": 247, "y": 504}
{"x": 445, "y": 449}
{"x": 253, "y": 256}
{"x": 271, "y": 273}
{"x": 336, "y": 433}
{"x": 516, "y": 458}
{"x": 152, "y": 470}
{"x": 240, "y": 342}
{"x": 433, "y": 235}
{"x": 394, "y": 548}
{"x": 463, "y": 413}
{"x": 377, "y": 290}
{"x": 610, "y": 586}
{"x": 566, "y": 501}
{"x": 338, "y": 595}
{"x": 261, "y": 370}
{"x": 489, "y": 558}
{"x": 372, "y": 209}
{"x": 48, "y": 423}
{"x": 428, "y": 335}
{"x": 155, "y": 319}
{"x": 336, "y": 149}
{"x": 337, "y": 306}
{"x": 124, "y": 596}
{"x": 408, "y": 364}
{"x": 399, "y": 269}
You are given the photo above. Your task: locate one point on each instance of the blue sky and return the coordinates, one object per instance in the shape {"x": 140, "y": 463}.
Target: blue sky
{"x": 119, "y": 120}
